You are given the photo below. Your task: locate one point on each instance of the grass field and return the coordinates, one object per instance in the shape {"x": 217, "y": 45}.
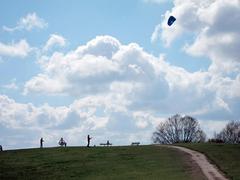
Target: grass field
{"x": 142, "y": 162}
{"x": 225, "y": 156}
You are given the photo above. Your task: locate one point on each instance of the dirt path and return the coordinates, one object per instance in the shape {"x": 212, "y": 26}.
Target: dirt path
{"x": 209, "y": 170}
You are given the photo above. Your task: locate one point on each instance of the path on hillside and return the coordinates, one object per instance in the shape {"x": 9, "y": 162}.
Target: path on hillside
{"x": 209, "y": 170}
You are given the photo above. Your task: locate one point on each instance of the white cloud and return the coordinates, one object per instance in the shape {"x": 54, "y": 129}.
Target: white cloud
{"x": 214, "y": 27}
{"x": 88, "y": 66}
{"x": 20, "y": 49}
{"x": 42, "y": 82}
{"x": 12, "y": 85}
{"x": 54, "y": 40}
{"x": 144, "y": 82}
{"x": 100, "y": 46}
{"x": 156, "y": 33}
{"x": 17, "y": 115}
{"x": 90, "y": 115}
{"x": 121, "y": 93}
{"x": 29, "y": 22}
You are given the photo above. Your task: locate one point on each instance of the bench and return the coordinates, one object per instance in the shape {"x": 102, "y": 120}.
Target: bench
{"x": 106, "y": 144}
{"x": 135, "y": 143}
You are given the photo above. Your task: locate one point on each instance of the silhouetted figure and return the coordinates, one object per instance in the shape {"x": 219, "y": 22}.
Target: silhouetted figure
{"x": 1, "y": 149}
{"x": 88, "y": 140}
{"x": 108, "y": 143}
{"x": 62, "y": 142}
{"x": 41, "y": 143}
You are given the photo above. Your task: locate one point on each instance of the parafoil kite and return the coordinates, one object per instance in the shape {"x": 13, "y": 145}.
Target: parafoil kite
{"x": 171, "y": 20}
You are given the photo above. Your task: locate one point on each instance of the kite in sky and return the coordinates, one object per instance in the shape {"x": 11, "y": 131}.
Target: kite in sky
{"x": 171, "y": 20}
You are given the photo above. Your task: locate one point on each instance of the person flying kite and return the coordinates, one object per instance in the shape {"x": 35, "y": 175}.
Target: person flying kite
{"x": 41, "y": 143}
{"x": 88, "y": 140}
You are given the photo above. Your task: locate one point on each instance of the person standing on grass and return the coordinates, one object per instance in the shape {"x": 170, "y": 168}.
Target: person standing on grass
{"x": 1, "y": 149}
{"x": 88, "y": 140}
{"x": 41, "y": 143}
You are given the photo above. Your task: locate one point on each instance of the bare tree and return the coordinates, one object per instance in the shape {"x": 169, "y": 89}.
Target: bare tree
{"x": 178, "y": 129}
{"x": 231, "y": 133}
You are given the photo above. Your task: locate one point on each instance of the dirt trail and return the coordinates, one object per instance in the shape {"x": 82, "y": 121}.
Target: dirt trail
{"x": 209, "y": 170}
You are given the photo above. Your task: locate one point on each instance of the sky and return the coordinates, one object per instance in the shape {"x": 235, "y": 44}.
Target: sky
{"x": 115, "y": 69}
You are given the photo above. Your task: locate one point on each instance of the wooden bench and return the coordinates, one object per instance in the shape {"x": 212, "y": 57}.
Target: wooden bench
{"x": 106, "y": 144}
{"x": 135, "y": 143}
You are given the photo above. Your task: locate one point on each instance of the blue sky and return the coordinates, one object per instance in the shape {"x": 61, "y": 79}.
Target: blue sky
{"x": 73, "y": 68}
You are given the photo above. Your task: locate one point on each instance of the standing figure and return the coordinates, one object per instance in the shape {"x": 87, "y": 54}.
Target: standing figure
{"x": 41, "y": 143}
{"x": 88, "y": 140}
{"x": 1, "y": 149}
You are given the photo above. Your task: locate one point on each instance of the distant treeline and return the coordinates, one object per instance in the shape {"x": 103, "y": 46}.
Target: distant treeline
{"x": 186, "y": 129}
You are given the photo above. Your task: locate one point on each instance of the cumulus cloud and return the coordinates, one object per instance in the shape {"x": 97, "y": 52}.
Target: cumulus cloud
{"x": 42, "y": 82}
{"x": 104, "y": 46}
{"x": 20, "y": 49}
{"x": 214, "y": 27}
{"x": 144, "y": 82}
{"x": 94, "y": 115}
{"x": 87, "y": 115}
{"x": 29, "y": 22}
{"x": 121, "y": 93}
{"x": 11, "y": 86}
{"x": 54, "y": 40}
{"x": 88, "y": 66}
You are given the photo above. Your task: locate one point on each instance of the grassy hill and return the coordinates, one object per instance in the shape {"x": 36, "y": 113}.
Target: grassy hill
{"x": 225, "y": 156}
{"x": 142, "y": 162}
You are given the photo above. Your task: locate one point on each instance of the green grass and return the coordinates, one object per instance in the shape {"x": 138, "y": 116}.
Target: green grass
{"x": 225, "y": 156}
{"x": 142, "y": 162}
